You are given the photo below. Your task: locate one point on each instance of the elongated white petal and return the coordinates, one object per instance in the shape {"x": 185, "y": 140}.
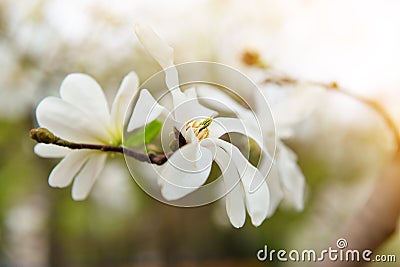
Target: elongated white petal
{"x": 224, "y": 125}
{"x": 274, "y": 184}
{"x": 146, "y": 110}
{"x": 257, "y": 202}
{"x": 157, "y": 47}
{"x": 68, "y": 122}
{"x": 275, "y": 190}
{"x": 295, "y": 106}
{"x": 219, "y": 100}
{"x": 292, "y": 178}
{"x": 164, "y": 55}
{"x": 84, "y": 92}
{"x": 186, "y": 105}
{"x": 86, "y": 178}
{"x": 51, "y": 151}
{"x": 190, "y": 108}
{"x": 185, "y": 171}
{"x": 67, "y": 168}
{"x": 185, "y": 108}
{"x": 190, "y": 92}
{"x": 127, "y": 90}
{"x": 235, "y": 204}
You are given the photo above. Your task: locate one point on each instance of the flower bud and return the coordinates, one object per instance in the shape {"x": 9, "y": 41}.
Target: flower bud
{"x": 43, "y": 135}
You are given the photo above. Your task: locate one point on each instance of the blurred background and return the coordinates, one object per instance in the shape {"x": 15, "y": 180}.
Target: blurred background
{"x": 341, "y": 147}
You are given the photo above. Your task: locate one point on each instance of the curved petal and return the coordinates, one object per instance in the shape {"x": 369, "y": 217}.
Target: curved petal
{"x": 188, "y": 107}
{"x": 164, "y": 55}
{"x": 273, "y": 182}
{"x": 257, "y": 202}
{"x": 224, "y": 125}
{"x": 85, "y": 93}
{"x": 275, "y": 188}
{"x": 185, "y": 171}
{"x": 190, "y": 92}
{"x": 219, "y": 100}
{"x": 295, "y": 106}
{"x": 292, "y": 178}
{"x": 68, "y": 122}
{"x": 157, "y": 47}
{"x": 145, "y": 111}
{"x": 51, "y": 151}
{"x": 126, "y": 91}
{"x": 86, "y": 178}
{"x": 235, "y": 205}
{"x": 67, "y": 168}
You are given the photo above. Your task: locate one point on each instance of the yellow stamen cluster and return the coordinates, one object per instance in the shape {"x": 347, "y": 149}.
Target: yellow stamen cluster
{"x": 200, "y": 127}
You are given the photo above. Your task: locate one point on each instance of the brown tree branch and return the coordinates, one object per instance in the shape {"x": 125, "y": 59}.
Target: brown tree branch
{"x": 42, "y": 135}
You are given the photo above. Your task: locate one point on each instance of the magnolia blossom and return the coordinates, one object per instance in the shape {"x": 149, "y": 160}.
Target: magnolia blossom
{"x": 82, "y": 115}
{"x": 286, "y": 180}
{"x": 189, "y": 167}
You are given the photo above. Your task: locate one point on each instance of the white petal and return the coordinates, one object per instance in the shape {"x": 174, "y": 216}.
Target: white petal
{"x": 181, "y": 101}
{"x": 157, "y": 47}
{"x": 219, "y": 100}
{"x": 257, "y": 202}
{"x": 235, "y": 205}
{"x": 273, "y": 182}
{"x": 87, "y": 176}
{"x": 145, "y": 111}
{"x": 275, "y": 190}
{"x": 292, "y": 178}
{"x": 67, "y": 168}
{"x": 185, "y": 171}
{"x": 84, "y": 92}
{"x": 186, "y": 105}
{"x": 164, "y": 55}
{"x": 223, "y": 125}
{"x": 190, "y": 108}
{"x": 298, "y": 103}
{"x": 68, "y": 122}
{"x": 51, "y": 151}
{"x": 191, "y": 92}
{"x": 127, "y": 90}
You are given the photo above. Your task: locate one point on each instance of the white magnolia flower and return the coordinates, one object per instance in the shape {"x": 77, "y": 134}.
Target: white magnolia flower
{"x": 286, "y": 180}
{"x": 189, "y": 167}
{"x": 82, "y": 115}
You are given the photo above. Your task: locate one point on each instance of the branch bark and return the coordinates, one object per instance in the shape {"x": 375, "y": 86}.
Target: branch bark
{"x": 42, "y": 135}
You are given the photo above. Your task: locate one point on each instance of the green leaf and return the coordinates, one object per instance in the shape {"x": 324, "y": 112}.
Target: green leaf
{"x": 146, "y": 136}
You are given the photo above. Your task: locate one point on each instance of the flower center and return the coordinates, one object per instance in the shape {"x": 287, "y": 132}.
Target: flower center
{"x": 200, "y": 127}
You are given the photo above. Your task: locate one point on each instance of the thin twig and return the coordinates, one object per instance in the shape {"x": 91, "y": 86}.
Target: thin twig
{"x": 283, "y": 79}
{"x": 42, "y": 135}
